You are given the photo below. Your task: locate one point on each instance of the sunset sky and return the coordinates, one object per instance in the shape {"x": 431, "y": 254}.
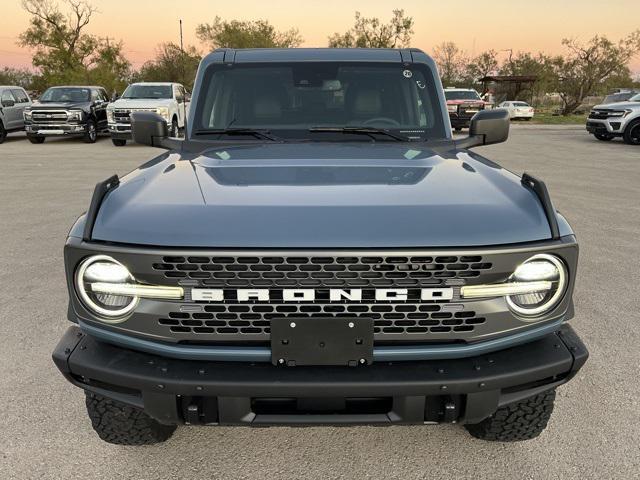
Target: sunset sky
{"x": 474, "y": 25}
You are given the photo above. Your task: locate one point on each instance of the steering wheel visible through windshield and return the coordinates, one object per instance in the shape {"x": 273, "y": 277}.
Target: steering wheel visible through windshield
{"x": 291, "y": 99}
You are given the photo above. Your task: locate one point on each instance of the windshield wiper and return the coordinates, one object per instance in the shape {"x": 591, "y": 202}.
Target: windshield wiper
{"x": 370, "y": 131}
{"x": 257, "y": 133}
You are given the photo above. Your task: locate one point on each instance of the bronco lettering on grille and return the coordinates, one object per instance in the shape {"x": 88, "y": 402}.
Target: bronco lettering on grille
{"x": 309, "y": 295}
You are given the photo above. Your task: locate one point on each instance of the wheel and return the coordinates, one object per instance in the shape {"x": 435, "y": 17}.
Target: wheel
{"x": 119, "y": 142}
{"x": 91, "y": 132}
{"x": 35, "y": 139}
{"x": 3, "y": 133}
{"x": 603, "y": 137}
{"x": 632, "y": 133}
{"x": 522, "y": 420}
{"x": 120, "y": 424}
{"x": 173, "y": 132}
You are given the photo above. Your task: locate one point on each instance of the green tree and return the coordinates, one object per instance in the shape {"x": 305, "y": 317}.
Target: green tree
{"x": 527, "y": 64}
{"x": 373, "y": 33}
{"x": 21, "y": 77}
{"x": 451, "y": 63}
{"x": 64, "y": 52}
{"x": 171, "y": 65}
{"x": 588, "y": 66}
{"x": 250, "y": 34}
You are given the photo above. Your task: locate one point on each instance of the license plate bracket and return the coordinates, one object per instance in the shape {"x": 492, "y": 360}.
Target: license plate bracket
{"x": 322, "y": 341}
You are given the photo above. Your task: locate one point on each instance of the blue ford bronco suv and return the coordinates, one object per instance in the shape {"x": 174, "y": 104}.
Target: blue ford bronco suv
{"x": 319, "y": 249}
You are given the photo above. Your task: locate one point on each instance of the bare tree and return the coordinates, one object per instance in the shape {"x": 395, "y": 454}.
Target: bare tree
{"x": 451, "y": 62}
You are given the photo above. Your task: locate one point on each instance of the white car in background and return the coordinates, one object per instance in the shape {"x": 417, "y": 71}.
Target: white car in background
{"x": 167, "y": 99}
{"x": 518, "y": 109}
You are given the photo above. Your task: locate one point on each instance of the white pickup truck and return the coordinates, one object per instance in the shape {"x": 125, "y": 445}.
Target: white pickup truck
{"x": 169, "y": 100}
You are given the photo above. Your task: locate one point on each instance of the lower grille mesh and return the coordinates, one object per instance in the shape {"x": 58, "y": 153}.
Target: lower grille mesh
{"x": 389, "y": 318}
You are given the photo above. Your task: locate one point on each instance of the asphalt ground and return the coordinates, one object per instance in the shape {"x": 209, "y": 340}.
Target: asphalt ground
{"x": 594, "y": 432}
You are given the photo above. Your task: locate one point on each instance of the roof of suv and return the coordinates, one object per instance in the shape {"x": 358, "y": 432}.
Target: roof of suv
{"x": 250, "y": 55}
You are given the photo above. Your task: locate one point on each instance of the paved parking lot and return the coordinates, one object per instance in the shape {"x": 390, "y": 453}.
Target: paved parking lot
{"x": 44, "y": 432}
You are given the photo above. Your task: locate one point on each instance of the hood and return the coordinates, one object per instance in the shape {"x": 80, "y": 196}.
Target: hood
{"x": 321, "y": 195}
{"x": 460, "y": 102}
{"x": 140, "y": 103}
{"x": 617, "y": 105}
{"x": 58, "y": 105}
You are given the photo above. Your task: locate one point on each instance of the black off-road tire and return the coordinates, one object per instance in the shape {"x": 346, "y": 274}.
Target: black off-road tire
{"x": 632, "y": 133}
{"x": 518, "y": 421}
{"x": 603, "y": 137}
{"x": 36, "y": 139}
{"x": 120, "y": 424}
{"x": 3, "y": 133}
{"x": 119, "y": 142}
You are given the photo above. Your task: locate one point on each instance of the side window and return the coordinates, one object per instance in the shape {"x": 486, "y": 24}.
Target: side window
{"x": 6, "y": 95}
{"x": 20, "y": 96}
{"x": 105, "y": 97}
{"x": 94, "y": 95}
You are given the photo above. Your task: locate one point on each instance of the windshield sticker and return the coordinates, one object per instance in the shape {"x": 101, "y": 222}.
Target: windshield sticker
{"x": 421, "y": 84}
{"x": 411, "y": 154}
{"x": 407, "y": 73}
{"x": 223, "y": 155}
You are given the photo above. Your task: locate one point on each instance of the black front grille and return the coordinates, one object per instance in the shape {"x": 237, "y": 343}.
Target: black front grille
{"x": 293, "y": 272}
{"x": 49, "y": 116}
{"x": 599, "y": 114}
{"x": 122, "y": 116}
{"x": 389, "y": 318}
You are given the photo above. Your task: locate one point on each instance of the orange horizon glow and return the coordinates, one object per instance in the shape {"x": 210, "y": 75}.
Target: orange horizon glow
{"x": 520, "y": 25}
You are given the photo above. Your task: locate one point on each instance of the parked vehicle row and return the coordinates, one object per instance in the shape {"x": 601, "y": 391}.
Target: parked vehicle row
{"x": 86, "y": 111}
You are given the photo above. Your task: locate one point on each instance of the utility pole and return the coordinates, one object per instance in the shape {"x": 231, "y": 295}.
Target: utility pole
{"x": 181, "y": 45}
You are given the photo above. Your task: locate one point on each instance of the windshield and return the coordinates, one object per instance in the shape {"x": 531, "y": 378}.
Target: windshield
{"x": 148, "y": 91}
{"x": 66, "y": 94}
{"x": 291, "y": 98}
{"x": 520, "y": 104}
{"x": 618, "y": 97}
{"x": 635, "y": 98}
{"x": 461, "y": 95}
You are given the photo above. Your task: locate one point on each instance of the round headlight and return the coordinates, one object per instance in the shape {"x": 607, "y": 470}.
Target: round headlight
{"x": 539, "y": 268}
{"x": 101, "y": 269}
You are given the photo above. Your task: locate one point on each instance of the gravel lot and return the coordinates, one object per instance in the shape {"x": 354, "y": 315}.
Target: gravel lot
{"x": 44, "y": 431}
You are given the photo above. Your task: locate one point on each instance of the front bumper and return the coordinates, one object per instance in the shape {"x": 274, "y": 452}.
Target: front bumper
{"x": 175, "y": 391}
{"x": 613, "y": 127}
{"x": 120, "y": 131}
{"x": 46, "y": 130}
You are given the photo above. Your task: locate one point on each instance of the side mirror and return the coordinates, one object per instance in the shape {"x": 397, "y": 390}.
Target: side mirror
{"x": 8, "y": 103}
{"x": 487, "y": 128}
{"x": 149, "y": 128}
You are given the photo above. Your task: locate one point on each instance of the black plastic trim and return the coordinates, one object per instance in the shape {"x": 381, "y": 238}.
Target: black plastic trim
{"x": 99, "y": 193}
{"x": 540, "y": 189}
{"x": 486, "y": 380}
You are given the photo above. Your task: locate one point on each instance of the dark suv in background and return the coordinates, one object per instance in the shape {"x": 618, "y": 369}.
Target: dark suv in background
{"x": 64, "y": 111}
